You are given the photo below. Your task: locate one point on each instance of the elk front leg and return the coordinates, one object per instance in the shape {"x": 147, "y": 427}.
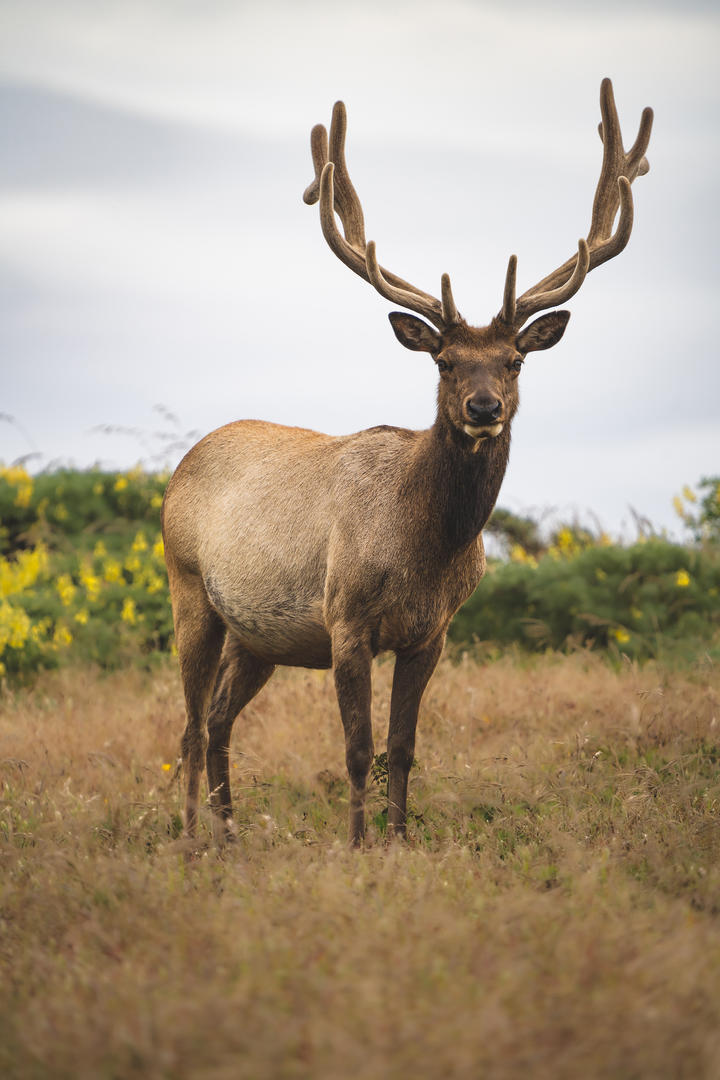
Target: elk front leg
{"x": 412, "y": 672}
{"x": 352, "y": 661}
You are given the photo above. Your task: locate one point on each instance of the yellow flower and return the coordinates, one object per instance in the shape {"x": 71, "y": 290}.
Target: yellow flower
{"x": 62, "y": 637}
{"x": 156, "y": 502}
{"x": 689, "y": 494}
{"x": 39, "y": 631}
{"x": 620, "y": 635}
{"x": 636, "y": 613}
{"x": 61, "y": 513}
{"x": 519, "y": 554}
{"x": 15, "y": 475}
{"x": 167, "y": 766}
{"x": 24, "y": 495}
{"x": 81, "y": 617}
{"x": 682, "y": 579}
{"x": 22, "y": 572}
{"x": 678, "y": 506}
{"x": 566, "y": 541}
{"x": 140, "y": 543}
{"x": 128, "y": 613}
{"x": 14, "y": 626}
{"x": 91, "y": 583}
{"x": 99, "y": 551}
{"x": 121, "y": 483}
{"x": 66, "y": 589}
{"x": 159, "y": 548}
{"x": 133, "y": 564}
{"x": 112, "y": 571}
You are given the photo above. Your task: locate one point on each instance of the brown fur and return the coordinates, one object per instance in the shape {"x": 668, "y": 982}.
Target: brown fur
{"x": 285, "y": 546}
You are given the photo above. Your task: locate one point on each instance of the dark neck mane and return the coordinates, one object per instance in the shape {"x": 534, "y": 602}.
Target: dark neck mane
{"x": 460, "y": 481}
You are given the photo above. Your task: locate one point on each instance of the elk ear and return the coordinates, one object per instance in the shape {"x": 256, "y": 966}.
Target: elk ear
{"x": 414, "y": 333}
{"x": 543, "y": 333}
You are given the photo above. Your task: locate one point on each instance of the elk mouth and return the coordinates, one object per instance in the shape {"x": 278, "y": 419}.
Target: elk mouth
{"x": 486, "y": 431}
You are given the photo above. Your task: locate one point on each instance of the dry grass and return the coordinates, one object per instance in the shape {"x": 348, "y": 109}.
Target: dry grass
{"x": 556, "y": 912}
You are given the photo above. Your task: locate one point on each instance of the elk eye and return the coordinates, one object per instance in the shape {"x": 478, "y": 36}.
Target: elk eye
{"x": 517, "y": 363}
{"x": 443, "y": 365}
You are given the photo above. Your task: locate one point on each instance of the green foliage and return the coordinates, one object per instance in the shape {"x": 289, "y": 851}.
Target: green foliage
{"x": 701, "y": 514}
{"x": 634, "y": 599}
{"x": 85, "y": 576}
{"x": 79, "y": 504}
{"x": 513, "y": 530}
{"x": 83, "y": 605}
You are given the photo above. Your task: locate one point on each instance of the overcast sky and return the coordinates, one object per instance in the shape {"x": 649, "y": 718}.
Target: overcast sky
{"x": 155, "y": 249}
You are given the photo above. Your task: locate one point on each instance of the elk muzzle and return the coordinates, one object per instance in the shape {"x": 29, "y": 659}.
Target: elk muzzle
{"x": 484, "y": 416}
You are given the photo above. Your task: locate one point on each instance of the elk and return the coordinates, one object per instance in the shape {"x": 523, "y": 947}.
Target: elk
{"x": 289, "y": 547}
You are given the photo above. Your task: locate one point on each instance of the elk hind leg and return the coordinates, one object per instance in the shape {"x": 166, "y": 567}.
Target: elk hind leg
{"x": 352, "y": 659}
{"x": 199, "y": 635}
{"x": 239, "y": 679}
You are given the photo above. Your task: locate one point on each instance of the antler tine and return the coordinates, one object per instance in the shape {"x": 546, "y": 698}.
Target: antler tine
{"x": 346, "y": 197}
{"x": 334, "y": 190}
{"x": 617, "y": 172}
{"x": 530, "y": 305}
{"x": 509, "y": 306}
{"x": 636, "y": 154}
{"x": 319, "y": 152}
{"x": 449, "y": 311}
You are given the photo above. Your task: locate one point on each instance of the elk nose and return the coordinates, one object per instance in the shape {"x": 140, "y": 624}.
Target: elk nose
{"x": 483, "y": 410}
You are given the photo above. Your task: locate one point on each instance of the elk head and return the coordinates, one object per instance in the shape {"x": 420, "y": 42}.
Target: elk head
{"x": 479, "y": 366}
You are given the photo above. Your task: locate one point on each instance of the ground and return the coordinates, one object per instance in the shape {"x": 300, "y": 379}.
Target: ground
{"x": 555, "y": 912}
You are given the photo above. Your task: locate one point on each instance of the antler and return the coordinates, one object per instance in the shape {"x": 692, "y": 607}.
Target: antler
{"x": 333, "y": 188}
{"x": 619, "y": 169}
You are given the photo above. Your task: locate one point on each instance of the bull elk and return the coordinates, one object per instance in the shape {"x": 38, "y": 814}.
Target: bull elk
{"x": 286, "y": 546}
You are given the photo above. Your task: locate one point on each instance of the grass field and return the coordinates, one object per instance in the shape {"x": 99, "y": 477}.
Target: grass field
{"x": 555, "y": 913}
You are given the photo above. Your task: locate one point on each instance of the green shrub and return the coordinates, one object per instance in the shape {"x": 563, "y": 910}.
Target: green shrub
{"x": 82, "y": 504}
{"x": 84, "y": 575}
{"x": 701, "y": 513}
{"x": 83, "y": 605}
{"x": 627, "y": 597}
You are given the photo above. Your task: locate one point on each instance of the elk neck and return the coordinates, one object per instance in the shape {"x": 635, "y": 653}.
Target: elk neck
{"x": 459, "y": 481}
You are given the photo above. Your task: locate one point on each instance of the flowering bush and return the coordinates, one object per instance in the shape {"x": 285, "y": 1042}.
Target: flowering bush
{"x": 85, "y": 575}
{"x": 89, "y": 606}
{"x": 639, "y": 599}
{"x": 71, "y": 502}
